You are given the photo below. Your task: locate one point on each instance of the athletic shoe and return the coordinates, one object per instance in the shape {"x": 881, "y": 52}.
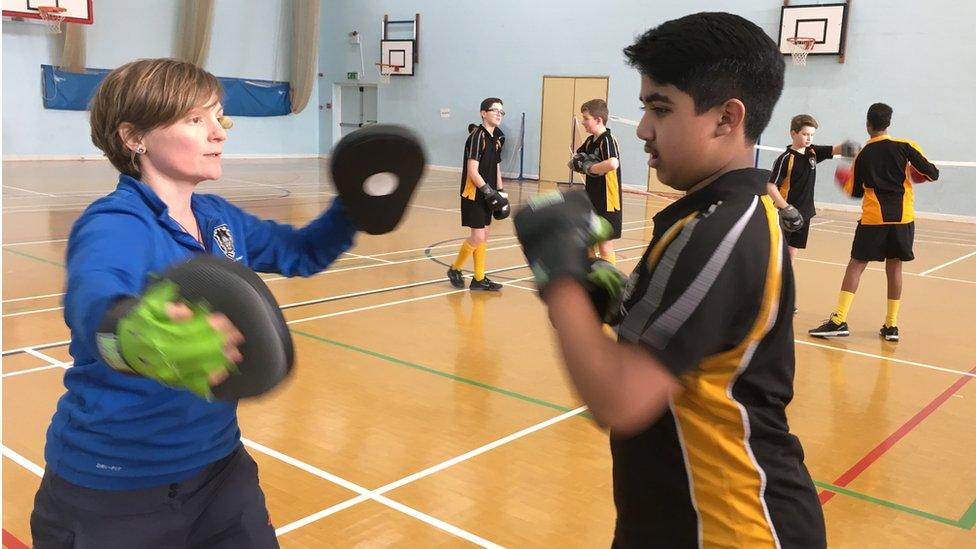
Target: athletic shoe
{"x": 456, "y": 277}
{"x": 485, "y": 284}
{"x": 889, "y": 333}
{"x": 831, "y": 329}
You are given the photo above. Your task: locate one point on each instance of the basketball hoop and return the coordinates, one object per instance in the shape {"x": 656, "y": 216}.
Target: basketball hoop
{"x": 801, "y": 46}
{"x": 386, "y": 70}
{"x": 52, "y": 16}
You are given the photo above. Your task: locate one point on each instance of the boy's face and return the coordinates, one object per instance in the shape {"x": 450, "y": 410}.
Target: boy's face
{"x": 804, "y": 137}
{"x": 590, "y": 124}
{"x": 682, "y": 144}
{"x": 493, "y": 116}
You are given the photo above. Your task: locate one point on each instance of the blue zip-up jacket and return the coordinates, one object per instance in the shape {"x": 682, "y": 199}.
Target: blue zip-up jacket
{"x": 114, "y": 431}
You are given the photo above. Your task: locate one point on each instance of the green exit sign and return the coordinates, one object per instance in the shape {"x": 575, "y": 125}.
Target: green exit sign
{"x": 352, "y": 76}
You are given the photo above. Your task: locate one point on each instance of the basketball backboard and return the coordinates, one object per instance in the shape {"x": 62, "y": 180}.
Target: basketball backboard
{"x": 825, "y": 23}
{"x": 77, "y": 11}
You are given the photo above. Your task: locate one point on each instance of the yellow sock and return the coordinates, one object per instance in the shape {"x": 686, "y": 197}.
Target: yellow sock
{"x": 612, "y": 258}
{"x": 892, "y": 318}
{"x": 844, "y": 301}
{"x": 479, "y": 260}
{"x": 462, "y": 255}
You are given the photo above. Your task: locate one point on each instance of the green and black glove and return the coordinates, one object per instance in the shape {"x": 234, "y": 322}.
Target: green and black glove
{"x": 556, "y": 232}
{"x": 605, "y": 286}
{"x": 137, "y": 335}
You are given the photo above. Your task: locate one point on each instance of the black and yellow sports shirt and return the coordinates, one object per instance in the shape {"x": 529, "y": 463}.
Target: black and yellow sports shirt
{"x": 712, "y": 300}
{"x": 486, "y": 148}
{"x": 603, "y": 190}
{"x": 795, "y": 174}
{"x": 880, "y": 174}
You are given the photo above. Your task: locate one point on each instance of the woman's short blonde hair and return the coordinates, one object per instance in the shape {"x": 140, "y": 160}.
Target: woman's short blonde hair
{"x": 146, "y": 94}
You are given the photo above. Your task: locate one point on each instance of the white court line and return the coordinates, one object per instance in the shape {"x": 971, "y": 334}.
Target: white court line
{"x": 818, "y": 223}
{"x": 30, "y": 370}
{"x": 887, "y": 358}
{"x": 919, "y": 240}
{"x": 28, "y": 243}
{"x": 33, "y": 311}
{"x": 431, "y": 470}
{"x": 881, "y": 270}
{"x": 918, "y": 231}
{"x": 390, "y": 303}
{"x": 29, "y": 191}
{"x": 35, "y": 346}
{"x": 367, "y": 257}
{"x": 426, "y": 282}
{"x": 946, "y": 264}
{"x": 364, "y": 495}
{"x": 30, "y": 298}
{"x": 49, "y": 359}
{"x": 23, "y": 462}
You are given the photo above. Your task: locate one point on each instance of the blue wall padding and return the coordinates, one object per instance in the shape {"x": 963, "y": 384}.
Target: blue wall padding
{"x": 73, "y": 91}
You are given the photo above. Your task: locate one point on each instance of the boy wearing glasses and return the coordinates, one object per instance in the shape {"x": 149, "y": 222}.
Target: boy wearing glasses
{"x": 482, "y": 195}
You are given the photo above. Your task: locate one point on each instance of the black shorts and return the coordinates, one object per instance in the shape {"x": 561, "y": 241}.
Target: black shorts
{"x": 598, "y": 197}
{"x": 222, "y": 506}
{"x": 798, "y": 239}
{"x": 880, "y": 242}
{"x": 475, "y": 213}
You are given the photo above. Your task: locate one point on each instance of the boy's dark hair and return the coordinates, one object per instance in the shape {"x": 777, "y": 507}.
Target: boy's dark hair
{"x": 879, "y": 116}
{"x": 714, "y": 57}
{"x": 801, "y": 121}
{"x": 486, "y": 104}
{"x": 597, "y": 108}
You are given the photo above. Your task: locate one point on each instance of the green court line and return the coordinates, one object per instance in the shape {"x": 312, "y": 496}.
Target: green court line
{"x": 968, "y": 519}
{"x": 966, "y": 522}
{"x": 429, "y": 370}
{"x": 34, "y": 257}
{"x": 969, "y": 516}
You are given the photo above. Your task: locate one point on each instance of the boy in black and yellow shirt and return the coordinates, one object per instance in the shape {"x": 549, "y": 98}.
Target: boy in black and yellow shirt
{"x": 482, "y": 194}
{"x": 880, "y": 176}
{"x": 794, "y": 176}
{"x": 695, "y": 388}
{"x": 598, "y": 158}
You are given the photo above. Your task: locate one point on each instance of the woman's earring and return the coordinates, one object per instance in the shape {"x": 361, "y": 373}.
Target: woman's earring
{"x": 141, "y": 149}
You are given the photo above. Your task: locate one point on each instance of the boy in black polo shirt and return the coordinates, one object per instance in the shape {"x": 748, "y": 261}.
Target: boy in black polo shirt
{"x": 795, "y": 175}
{"x": 482, "y": 194}
{"x": 881, "y": 176}
{"x": 696, "y": 387}
{"x": 601, "y": 166}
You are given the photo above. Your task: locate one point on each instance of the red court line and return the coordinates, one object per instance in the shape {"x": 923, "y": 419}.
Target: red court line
{"x": 892, "y": 439}
{"x": 11, "y": 541}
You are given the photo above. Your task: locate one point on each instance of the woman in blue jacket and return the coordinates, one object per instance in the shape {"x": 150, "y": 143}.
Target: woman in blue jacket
{"x": 130, "y": 461}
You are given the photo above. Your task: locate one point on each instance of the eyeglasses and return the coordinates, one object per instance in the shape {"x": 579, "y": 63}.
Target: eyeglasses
{"x": 499, "y": 111}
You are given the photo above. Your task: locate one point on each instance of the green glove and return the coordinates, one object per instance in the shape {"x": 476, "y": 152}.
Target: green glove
{"x": 605, "y": 286}
{"x": 556, "y": 232}
{"x": 138, "y": 336}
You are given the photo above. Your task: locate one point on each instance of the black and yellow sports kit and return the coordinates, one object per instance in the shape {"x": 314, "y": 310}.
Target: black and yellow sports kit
{"x": 604, "y": 190}
{"x": 795, "y": 174}
{"x": 486, "y": 148}
{"x": 880, "y": 177}
{"x": 712, "y": 299}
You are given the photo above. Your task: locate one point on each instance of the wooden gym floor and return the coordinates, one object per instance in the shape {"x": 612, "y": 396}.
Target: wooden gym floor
{"x": 420, "y": 415}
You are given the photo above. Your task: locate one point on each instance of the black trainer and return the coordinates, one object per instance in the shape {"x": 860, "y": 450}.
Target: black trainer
{"x": 456, "y": 277}
{"x": 889, "y": 333}
{"x": 485, "y": 284}
{"x": 831, "y": 329}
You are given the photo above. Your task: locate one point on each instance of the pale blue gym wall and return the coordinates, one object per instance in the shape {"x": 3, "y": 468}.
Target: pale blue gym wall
{"x": 244, "y": 43}
{"x": 920, "y": 57}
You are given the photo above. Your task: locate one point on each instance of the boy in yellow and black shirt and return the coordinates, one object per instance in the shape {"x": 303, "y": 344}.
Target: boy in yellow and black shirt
{"x": 598, "y": 158}
{"x": 695, "y": 388}
{"x": 482, "y": 194}
{"x": 794, "y": 176}
{"x": 881, "y": 177}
